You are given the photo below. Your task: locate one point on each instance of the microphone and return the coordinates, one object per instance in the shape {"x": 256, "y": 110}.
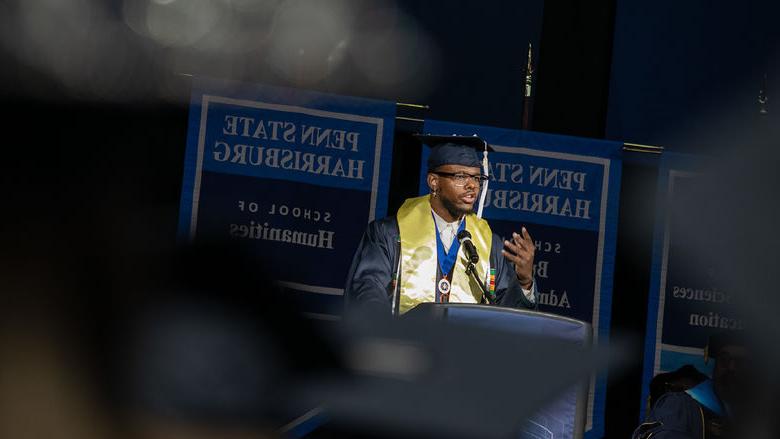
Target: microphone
{"x": 464, "y": 237}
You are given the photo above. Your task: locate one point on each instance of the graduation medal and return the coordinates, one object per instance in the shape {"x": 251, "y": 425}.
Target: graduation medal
{"x": 444, "y": 289}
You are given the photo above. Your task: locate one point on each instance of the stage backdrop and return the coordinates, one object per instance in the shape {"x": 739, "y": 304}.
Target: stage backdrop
{"x": 683, "y": 69}
{"x": 565, "y": 191}
{"x": 295, "y": 174}
{"x": 687, "y": 303}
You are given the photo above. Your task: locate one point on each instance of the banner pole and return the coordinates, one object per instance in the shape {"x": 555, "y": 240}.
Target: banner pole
{"x": 638, "y": 147}
{"x": 421, "y": 106}
{"x": 528, "y": 99}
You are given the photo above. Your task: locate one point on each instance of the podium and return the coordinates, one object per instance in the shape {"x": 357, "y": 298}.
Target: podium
{"x": 565, "y": 417}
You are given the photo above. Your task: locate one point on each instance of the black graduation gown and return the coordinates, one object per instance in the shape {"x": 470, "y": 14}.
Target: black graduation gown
{"x": 678, "y": 415}
{"x": 369, "y": 283}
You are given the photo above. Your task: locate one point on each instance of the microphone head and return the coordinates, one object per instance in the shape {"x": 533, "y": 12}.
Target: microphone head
{"x": 464, "y": 237}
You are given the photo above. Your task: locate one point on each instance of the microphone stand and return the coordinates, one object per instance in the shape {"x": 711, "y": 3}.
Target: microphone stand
{"x": 471, "y": 270}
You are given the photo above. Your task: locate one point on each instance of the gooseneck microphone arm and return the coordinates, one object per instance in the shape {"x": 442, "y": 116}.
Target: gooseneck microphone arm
{"x": 464, "y": 237}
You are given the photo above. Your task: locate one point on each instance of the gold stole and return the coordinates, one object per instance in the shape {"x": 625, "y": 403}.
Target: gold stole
{"x": 419, "y": 256}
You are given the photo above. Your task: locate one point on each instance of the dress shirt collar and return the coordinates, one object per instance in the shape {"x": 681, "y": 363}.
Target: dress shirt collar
{"x": 441, "y": 222}
{"x": 447, "y": 231}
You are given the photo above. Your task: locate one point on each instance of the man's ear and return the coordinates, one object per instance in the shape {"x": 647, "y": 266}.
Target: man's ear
{"x": 433, "y": 182}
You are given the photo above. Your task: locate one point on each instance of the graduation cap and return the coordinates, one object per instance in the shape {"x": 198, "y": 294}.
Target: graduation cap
{"x": 454, "y": 150}
{"x": 459, "y": 150}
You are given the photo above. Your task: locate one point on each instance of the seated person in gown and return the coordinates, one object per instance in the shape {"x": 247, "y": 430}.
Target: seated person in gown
{"x": 710, "y": 409}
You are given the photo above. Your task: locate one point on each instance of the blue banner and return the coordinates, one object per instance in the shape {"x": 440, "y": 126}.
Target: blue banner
{"x": 297, "y": 174}
{"x": 686, "y": 303}
{"x": 565, "y": 191}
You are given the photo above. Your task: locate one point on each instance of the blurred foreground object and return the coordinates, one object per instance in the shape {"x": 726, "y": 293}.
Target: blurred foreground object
{"x": 197, "y": 344}
{"x": 130, "y": 51}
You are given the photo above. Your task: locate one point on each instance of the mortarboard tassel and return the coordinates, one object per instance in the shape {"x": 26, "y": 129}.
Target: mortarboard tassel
{"x": 485, "y": 186}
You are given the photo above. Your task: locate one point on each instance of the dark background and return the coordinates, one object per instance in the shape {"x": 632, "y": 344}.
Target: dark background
{"x": 87, "y": 181}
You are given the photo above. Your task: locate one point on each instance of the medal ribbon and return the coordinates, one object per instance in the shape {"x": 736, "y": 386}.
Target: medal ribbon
{"x": 447, "y": 259}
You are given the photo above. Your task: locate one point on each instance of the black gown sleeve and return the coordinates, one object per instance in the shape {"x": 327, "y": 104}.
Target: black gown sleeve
{"x": 369, "y": 281}
{"x": 509, "y": 293}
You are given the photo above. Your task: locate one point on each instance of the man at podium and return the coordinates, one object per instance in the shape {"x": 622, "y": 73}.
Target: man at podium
{"x": 437, "y": 249}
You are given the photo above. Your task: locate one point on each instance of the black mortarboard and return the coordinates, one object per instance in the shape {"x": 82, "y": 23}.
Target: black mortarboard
{"x": 454, "y": 150}
{"x": 458, "y": 150}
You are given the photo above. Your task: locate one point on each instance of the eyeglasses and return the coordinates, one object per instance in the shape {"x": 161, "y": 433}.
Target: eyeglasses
{"x": 461, "y": 179}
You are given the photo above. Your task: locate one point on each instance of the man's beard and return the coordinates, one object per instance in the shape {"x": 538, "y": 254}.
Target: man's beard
{"x": 455, "y": 210}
